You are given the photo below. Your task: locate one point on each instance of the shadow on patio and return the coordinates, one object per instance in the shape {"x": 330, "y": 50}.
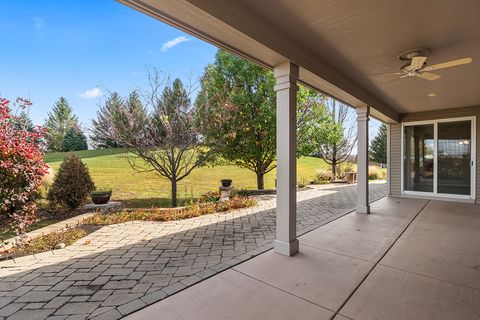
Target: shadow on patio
{"x": 140, "y": 263}
{"x": 408, "y": 259}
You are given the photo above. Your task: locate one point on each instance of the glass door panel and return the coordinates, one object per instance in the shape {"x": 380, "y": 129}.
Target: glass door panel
{"x": 419, "y": 158}
{"x": 454, "y": 157}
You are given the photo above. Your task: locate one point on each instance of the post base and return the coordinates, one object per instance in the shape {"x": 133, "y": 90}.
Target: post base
{"x": 363, "y": 209}
{"x": 286, "y": 248}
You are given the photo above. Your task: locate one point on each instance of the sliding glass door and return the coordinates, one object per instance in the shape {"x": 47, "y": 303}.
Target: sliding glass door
{"x": 418, "y": 158}
{"x": 454, "y": 157}
{"x": 438, "y": 158}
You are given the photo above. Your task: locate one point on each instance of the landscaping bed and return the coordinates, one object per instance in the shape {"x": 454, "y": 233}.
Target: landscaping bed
{"x": 45, "y": 217}
{"x": 169, "y": 214}
{"x": 49, "y": 242}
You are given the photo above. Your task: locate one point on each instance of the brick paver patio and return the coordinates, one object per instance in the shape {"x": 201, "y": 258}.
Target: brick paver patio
{"x": 122, "y": 268}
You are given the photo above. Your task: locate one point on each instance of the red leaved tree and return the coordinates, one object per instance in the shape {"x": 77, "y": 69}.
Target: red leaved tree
{"x": 21, "y": 165}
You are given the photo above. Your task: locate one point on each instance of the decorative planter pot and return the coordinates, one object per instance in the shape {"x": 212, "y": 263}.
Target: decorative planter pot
{"x": 226, "y": 183}
{"x": 351, "y": 177}
{"x": 100, "y": 197}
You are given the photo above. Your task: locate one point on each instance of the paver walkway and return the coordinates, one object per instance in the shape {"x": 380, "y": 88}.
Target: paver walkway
{"x": 122, "y": 268}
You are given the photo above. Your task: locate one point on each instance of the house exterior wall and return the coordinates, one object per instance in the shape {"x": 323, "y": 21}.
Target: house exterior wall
{"x": 395, "y": 141}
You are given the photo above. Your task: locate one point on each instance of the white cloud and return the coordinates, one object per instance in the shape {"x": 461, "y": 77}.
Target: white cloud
{"x": 172, "y": 43}
{"x": 91, "y": 93}
{"x": 39, "y": 25}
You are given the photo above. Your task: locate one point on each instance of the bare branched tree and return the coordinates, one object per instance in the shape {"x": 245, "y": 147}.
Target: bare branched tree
{"x": 339, "y": 138}
{"x": 165, "y": 141}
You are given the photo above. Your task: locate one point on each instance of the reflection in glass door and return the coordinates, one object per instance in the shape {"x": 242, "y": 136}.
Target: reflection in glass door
{"x": 438, "y": 157}
{"x": 418, "y": 158}
{"x": 454, "y": 157}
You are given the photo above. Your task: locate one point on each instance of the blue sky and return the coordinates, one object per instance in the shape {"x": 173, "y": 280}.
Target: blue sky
{"x": 79, "y": 48}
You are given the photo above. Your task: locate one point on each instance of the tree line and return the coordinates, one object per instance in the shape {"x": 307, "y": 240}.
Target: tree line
{"x": 232, "y": 120}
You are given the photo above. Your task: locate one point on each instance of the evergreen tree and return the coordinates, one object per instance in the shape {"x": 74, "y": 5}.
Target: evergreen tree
{"x": 74, "y": 140}
{"x": 23, "y": 121}
{"x": 101, "y": 126}
{"x": 58, "y": 122}
{"x": 378, "y": 148}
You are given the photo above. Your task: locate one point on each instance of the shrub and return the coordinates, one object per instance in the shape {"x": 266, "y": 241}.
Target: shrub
{"x": 322, "y": 177}
{"x": 239, "y": 192}
{"x": 211, "y": 196}
{"x": 72, "y": 184}
{"x": 301, "y": 182}
{"x": 74, "y": 140}
{"x": 241, "y": 202}
{"x": 382, "y": 174}
{"x": 375, "y": 173}
{"x": 372, "y": 173}
{"x": 21, "y": 165}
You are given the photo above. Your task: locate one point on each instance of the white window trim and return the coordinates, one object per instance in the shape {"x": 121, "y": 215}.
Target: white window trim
{"x": 473, "y": 151}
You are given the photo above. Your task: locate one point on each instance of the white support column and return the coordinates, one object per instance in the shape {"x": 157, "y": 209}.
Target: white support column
{"x": 363, "y": 114}
{"x": 286, "y": 75}
{"x": 388, "y": 160}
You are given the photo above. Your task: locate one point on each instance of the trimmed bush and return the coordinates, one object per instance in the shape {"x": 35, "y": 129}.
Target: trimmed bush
{"x": 72, "y": 184}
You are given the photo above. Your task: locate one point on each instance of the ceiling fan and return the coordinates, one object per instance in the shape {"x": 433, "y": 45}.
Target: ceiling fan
{"x": 417, "y": 65}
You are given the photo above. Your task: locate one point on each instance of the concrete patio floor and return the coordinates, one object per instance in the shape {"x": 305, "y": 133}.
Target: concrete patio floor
{"x": 408, "y": 259}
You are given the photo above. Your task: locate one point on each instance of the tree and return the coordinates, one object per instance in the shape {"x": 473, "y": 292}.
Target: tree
{"x": 101, "y": 126}
{"x": 72, "y": 183}
{"x": 58, "y": 122}
{"x": 74, "y": 140}
{"x": 21, "y": 166}
{"x": 338, "y": 137}
{"x": 313, "y": 119}
{"x": 236, "y": 111}
{"x": 166, "y": 141}
{"x": 378, "y": 148}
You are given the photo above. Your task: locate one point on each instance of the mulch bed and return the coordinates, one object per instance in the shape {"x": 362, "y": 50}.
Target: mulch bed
{"x": 49, "y": 241}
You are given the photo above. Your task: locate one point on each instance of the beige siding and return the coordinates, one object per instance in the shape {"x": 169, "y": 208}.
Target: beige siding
{"x": 395, "y": 158}
{"x": 396, "y": 141}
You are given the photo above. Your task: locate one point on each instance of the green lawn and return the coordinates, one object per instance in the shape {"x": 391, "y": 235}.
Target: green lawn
{"x": 108, "y": 167}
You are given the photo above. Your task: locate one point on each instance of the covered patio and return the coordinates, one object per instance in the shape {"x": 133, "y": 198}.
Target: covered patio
{"x": 414, "y": 65}
{"x": 417, "y": 73}
{"x": 407, "y": 259}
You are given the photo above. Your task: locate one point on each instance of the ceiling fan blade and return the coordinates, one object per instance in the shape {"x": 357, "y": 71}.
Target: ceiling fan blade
{"x": 417, "y": 62}
{"x": 388, "y": 74}
{"x": 428, "y": 76}
{"x": 448, "y": 64}
{"x": 393, "y": 80}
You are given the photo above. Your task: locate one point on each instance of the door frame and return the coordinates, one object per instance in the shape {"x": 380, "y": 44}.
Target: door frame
{"x": 435, "y": 158}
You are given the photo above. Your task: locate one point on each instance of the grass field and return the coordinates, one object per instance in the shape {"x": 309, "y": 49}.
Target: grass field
{"x": 109, "y": 168}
